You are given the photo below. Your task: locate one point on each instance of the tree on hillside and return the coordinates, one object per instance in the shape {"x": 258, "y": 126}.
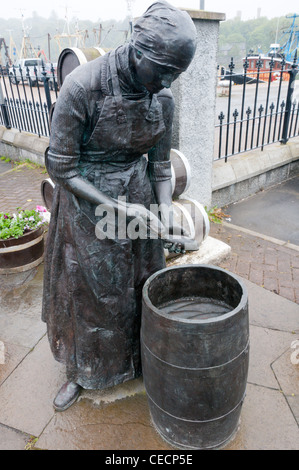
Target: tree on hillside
{"x": 256, "y": 34}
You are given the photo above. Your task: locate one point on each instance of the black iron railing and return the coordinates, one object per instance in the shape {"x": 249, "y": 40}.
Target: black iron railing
{"x": 26, "y": 98}
{"x": 262, "y": 112}
{"x": 265, "y": 112}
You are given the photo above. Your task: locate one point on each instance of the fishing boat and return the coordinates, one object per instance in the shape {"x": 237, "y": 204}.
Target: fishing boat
{"x": 278, "y": 60}
{"x": 268, "y": 66}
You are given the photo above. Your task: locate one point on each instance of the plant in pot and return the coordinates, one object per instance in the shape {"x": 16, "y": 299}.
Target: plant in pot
{"x": 22, "y": 239}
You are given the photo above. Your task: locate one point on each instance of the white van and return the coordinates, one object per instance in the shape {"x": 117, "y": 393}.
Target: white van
{"x": 26, "y": 65}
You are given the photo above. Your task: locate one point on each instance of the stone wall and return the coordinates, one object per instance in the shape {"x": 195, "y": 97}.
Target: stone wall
{"x": 245, "y": 174}
{"x": 22, "y": 145}
{"x": 195, "y": 100}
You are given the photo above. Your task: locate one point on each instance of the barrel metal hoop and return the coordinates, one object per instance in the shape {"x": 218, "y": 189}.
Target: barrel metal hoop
{"x": 11, "y": 249}
{"x": 20, "y": 269}
{"x": 186, "y": 167}
{"x": 80, "y": 55}
{"x": 183, "y": 446}
{"x": 204, "y": 215}
{"x": 188, "y": 217}
{"x": 195, "y": 368}
{"x": 196, "y": 420}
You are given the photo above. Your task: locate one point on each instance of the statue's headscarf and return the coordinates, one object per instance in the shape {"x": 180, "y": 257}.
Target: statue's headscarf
{"x": 165, "y": 35}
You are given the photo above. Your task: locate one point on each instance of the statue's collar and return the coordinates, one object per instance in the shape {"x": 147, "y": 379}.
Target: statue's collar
{"x": 129, "y": 87}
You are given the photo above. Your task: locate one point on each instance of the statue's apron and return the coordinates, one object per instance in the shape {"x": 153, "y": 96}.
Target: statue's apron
{"x": 92, "y": 287}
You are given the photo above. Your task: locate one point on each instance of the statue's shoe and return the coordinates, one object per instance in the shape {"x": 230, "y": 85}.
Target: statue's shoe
{"x": 66, "y": 396}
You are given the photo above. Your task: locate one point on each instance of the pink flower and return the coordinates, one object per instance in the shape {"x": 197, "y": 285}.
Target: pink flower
{"x": 41, "y": 209}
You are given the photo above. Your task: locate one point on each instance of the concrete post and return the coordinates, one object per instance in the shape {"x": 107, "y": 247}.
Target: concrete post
{"x": 195, "y": 102}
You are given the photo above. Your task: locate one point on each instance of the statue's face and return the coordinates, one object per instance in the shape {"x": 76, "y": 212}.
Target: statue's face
{"x": 154, "y": 77}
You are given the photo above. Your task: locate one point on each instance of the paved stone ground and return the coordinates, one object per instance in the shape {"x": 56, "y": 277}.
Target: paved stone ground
{"x": 20, "y": 186}
{"x": 272, "y": 266}
{"x": 119, "y": 419}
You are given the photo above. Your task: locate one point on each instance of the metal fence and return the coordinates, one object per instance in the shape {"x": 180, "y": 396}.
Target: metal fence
{"x": 26, "y": 98}
{"x": 267, "y": 112}
{"x": 262, "y": 112}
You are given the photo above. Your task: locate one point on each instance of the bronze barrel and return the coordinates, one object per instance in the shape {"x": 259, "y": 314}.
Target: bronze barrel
{"x": 71, "y": 57}
{"x": 47, "y": 188}
{"x": 181, "y": 172}
{"x": 191, "y": 215}
{"x": 195, "y": 354}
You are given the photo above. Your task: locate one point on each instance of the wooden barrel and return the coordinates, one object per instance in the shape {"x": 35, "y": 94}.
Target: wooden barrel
{"x": 71, "y": 57}
{"x": 22, "y": 254}
{"x": 181, "y": 172}
{"x": 191, "y": 215}
{"x": 195, "y": 354}
{"x": 47, "y": 188}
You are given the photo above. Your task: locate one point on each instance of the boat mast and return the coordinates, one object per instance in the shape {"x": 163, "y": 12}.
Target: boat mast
{"x": 292, "y": 43}
{"x": 13, "y": 51}
{"x": 27, "y": 49}
{"x": 66, "y": 34}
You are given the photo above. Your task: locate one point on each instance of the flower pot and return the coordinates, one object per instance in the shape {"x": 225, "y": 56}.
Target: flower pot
{"x": 22, "y": 254}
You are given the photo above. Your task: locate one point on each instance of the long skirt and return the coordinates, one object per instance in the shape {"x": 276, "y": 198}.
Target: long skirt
{"x": 93, "y": 287}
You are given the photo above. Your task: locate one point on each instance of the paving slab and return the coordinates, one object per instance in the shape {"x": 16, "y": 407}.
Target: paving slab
{"x": 118, "y": 418}
{"x": 122, "y": 425}
{"x": 26, "y": 396}
{"x": 266, "y": 422}
{"x": 270, "y": 310}
{"x": 32, "y": 378}
{"x": 266, "y": 345}
{"x": 286, "y": 371}
{"x": 13, "y": 355}
{"x": 279, "y": 204}
{"x": 11, "y": 439}
{"x": 20, "y": 310}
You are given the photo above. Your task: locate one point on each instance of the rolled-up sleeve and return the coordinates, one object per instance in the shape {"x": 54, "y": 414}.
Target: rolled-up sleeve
{"x": 159, "y": 164}
{"x": 67, "y": 131}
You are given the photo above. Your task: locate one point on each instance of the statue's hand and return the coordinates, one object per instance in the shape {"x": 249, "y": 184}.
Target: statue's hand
{"x": 147, "y": 219}
{"x": 176, "y": 244}
{"x": 178, "y": 239}
{"x": 175, "y": 238}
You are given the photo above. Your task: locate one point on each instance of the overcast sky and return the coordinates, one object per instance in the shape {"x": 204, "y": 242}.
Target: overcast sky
{"x": 118, "y": 9}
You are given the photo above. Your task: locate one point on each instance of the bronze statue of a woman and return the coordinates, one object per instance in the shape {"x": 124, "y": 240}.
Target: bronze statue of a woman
{"x": 110, "y": 113}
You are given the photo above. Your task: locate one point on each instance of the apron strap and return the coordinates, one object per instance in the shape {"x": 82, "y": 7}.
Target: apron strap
{"x": 151, "y": 115}
{"x": 121, "y": 116}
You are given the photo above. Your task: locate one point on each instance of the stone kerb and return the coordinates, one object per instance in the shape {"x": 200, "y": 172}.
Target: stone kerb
{"x": 22, "y": 145}
{"x": 245, "y": 174}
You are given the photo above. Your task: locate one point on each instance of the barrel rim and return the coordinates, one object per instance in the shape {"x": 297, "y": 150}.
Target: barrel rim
{"x": 202, "y": 211}
{"x": 173, "y": 180}
{"x": 186, "y": 165}
{"x": 23, "y": 239}
{"x": 79, "y": 53}
{"x": 217, "y": 319}
{"x": 188, "y": 217}
{"x": 47, "y": 180}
